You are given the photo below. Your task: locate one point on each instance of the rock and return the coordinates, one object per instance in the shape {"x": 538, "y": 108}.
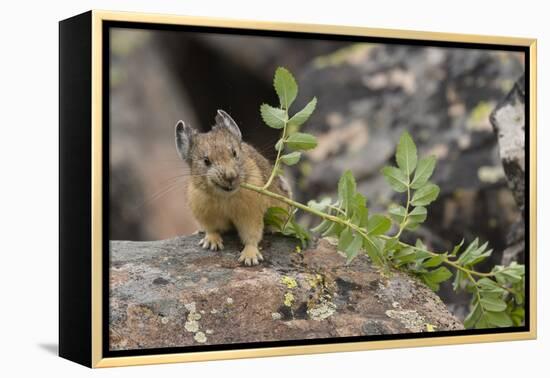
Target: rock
{"x": 508, "y": 120}
{"x": 173, "y": 293}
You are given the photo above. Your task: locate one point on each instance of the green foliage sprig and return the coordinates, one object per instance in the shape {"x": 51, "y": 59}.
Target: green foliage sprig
{"x": 497, "y": 296}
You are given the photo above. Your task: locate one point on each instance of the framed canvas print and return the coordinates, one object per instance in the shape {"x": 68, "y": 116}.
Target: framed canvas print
{"x": 235, "y": 189}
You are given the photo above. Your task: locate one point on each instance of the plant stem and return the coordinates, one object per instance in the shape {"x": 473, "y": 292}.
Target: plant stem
{"x": 308, "y": 209}
{"x": 405, "y": 218}
{"x": 278, "y": 158}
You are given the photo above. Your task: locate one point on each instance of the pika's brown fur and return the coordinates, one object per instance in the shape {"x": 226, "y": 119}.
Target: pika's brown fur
{"x": 219, "y": 163}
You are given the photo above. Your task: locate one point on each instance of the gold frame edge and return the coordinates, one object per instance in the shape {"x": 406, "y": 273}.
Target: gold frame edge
{"x": 98, "y": 16}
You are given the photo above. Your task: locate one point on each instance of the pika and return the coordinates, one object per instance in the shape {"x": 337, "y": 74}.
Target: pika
{"x": 219, "y": 162}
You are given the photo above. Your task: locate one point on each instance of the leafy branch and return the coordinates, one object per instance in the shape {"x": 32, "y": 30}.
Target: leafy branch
{"x": 497, "y": 296}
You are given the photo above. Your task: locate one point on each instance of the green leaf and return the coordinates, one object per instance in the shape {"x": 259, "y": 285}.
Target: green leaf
{"x": 273, "y": 117}
{"x": 489, "y": 287}
{"x": 421, "y": 255}
{"x": 416, "y": 216}
{"x": 378, "y": 224}
{"x": 346, "y": 190}
{"x": 440, "y": 274}
{"x": 434, "y": 261}
{"x": 473, "y": 316}
{"x": 404, "y": 256}
{"x": 499, "y": 319}
{"x": 353, "y": 248}
{"x": 457, "y": 248}
{"x": 374, "y": 247}
{"x": 285, "y": 86}
{"x": 434, "y": 277}
{"x": 425, "y": 195}
{"x": 466, "y": 254}
{"x": 345, "y": 239}
{"x": 322, "y": 227}
{"x": 301, "y": 141}
{"x": 391, "y": 244}
{"x": 396, "y": 178}
{"x": 420, "y": 244}
{"x": 423, "y": 172}
{"x": 492, "y": 304}
{"x": 296, "y": 230}
{"x": 359, "y": 211}
{"x": 518, "y": 315}
{"x": 509, "y": 274}
{"x": 276, "y": 217}
{"x": 334, "y": 229}
{"x": 406, "y": 154}
{"x": 459, "y": 280}
{"x": 291, "y": 158}
{"x": 303, "y": 115}
{"x": 482, "y": 322}
{"x": 397, "y": 214}
{"x": 474, "y": 254}
{"x": 279, "y": 145}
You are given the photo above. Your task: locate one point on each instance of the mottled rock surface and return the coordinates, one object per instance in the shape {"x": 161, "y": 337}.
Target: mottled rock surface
{"x": 173, "y": 293}
{"x": 508, "y": 120}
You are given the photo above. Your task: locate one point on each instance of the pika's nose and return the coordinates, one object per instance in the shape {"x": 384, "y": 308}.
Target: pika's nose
{"x": 230, "y": 177}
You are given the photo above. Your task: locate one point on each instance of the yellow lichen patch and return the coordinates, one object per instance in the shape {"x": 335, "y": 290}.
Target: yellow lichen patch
{"x": 315, "y": 280}
{"x": 289, "y": 282}
{"x": 430, "y": 327}
{"x": 298, "y": 249}
{"x": 288, "y": 299}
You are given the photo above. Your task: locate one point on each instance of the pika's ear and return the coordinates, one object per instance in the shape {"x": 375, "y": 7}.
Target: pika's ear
{"x": 184, "y": 139}
{"x": 224, "y": 120}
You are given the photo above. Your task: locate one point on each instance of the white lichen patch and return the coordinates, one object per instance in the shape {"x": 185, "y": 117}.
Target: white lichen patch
{"x": 229, "y": 300}
{"x": 322, "y": 311}
{"x": 213, "y": 311}
{"x": 193, "y": 316}
{"x": 191, "y": 326}
{"x": 200, "y": 337}
{"x": 411, "y": 319}
{"x": 276, "y": 316}
{"x": 331, "y": 240}
{"x": 191, "y": 307}
{"x": 164, "y": 320}
{"x": 209, "y": 331}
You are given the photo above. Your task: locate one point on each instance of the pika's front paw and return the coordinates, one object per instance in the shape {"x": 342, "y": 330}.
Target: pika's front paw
{"x": 250, "y": 255}
{"x": 212, "y": 241}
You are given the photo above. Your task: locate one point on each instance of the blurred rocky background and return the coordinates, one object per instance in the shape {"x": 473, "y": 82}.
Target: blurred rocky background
{"x": 367, "y": 95}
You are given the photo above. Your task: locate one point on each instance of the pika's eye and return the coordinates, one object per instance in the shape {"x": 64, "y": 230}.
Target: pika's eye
{"x": 234, "y": 152}
{"x": 207, "y": 161}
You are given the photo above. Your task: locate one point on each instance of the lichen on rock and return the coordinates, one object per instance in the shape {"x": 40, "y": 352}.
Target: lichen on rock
{"x": 212, "y": 299}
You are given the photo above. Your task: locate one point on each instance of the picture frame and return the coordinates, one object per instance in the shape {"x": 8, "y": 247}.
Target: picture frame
{"x": 84, "y": 265}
